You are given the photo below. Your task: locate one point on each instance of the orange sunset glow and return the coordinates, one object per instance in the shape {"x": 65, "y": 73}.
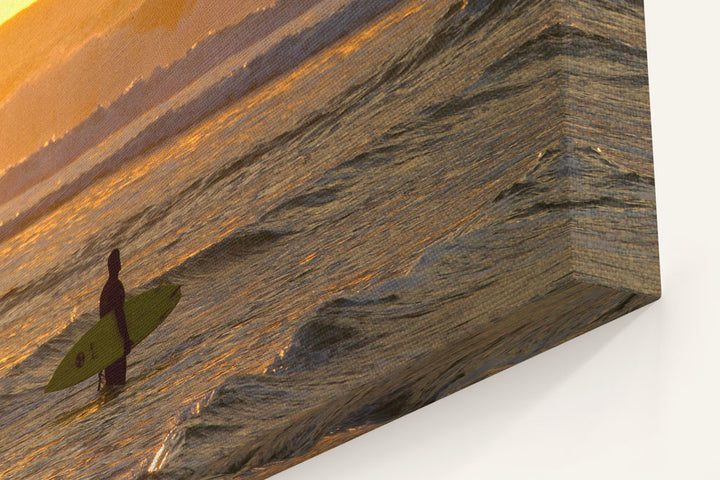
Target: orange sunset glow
{"x": 9, "y": 8}
{"x": 52, "y": 77}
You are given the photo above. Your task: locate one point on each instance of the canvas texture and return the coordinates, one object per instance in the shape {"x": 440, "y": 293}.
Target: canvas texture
{"x": 369, "y": 205}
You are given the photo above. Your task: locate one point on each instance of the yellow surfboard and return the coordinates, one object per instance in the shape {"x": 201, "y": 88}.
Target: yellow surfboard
{"x": 102, "y": 345}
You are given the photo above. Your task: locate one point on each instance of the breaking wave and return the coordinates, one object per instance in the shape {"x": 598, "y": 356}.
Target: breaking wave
{"x": 47, "y": 164}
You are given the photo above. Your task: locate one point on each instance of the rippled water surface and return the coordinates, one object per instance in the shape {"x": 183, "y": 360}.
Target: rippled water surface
{"x": 314, "y": 194}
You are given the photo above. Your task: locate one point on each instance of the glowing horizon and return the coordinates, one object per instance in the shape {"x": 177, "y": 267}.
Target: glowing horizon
{"x": 9, "y": 8}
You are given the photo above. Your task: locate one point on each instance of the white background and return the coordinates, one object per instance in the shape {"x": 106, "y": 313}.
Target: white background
{"x": 638, "y": 398}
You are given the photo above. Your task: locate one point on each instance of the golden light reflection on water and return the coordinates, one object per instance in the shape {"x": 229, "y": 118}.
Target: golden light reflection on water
{"x": 328, "y": 58}
{"x": 310, "y": 69}
{"x": 364, "y": 36}
{"x": 227, "y": 357}
{"x": 160, "y": 457}
{"x": 309, "y": 258}
{"x": 85, "y": 410}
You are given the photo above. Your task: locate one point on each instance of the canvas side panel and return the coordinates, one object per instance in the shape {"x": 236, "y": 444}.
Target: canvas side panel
{"x": 606, "y": 154}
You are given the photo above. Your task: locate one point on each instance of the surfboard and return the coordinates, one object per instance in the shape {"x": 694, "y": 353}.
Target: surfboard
{"x": 102, "y": 345}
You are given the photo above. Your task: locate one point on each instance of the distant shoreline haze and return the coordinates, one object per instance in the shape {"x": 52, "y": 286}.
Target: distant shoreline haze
{"x": 56, "y": 73}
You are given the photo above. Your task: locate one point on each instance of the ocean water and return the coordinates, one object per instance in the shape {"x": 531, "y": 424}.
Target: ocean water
{"x": 324, "y": 194}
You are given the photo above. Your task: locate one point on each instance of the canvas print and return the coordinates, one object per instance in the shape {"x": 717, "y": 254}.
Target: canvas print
{"x": 235, "y": 234}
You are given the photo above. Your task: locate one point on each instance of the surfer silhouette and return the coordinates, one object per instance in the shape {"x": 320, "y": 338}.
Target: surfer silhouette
{"x": 112, "y": 299}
